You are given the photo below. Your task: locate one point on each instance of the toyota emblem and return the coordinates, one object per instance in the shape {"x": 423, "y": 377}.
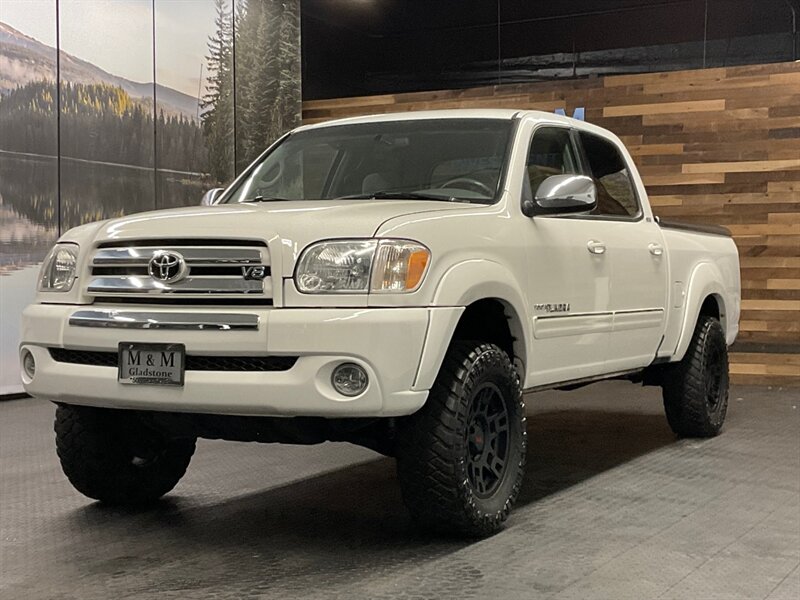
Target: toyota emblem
{"x": 167, "y": 266}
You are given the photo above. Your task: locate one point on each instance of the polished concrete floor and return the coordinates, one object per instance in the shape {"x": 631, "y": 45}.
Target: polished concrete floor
{"x": 615, "y": 507}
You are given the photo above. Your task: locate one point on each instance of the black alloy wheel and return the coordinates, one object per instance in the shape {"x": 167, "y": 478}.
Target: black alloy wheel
{"x": 461, "y": 457}
{"x": 487, "y": 440}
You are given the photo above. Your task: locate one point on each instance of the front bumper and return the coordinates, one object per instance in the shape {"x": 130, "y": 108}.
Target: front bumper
{"x": 387, "y": 342}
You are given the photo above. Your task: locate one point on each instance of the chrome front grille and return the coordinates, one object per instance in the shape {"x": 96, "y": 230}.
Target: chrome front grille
{"x": 194, "y": 255}
{"x": 181, "y": 268}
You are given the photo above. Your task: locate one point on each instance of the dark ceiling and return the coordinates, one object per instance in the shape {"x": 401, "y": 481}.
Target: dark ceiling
{"x": 355, "y": 47}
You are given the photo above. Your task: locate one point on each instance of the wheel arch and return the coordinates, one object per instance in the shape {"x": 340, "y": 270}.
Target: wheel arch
{"x": 705, "y": 296}
{"x": 493, "y": 320}
{"x": 490, "y": 306}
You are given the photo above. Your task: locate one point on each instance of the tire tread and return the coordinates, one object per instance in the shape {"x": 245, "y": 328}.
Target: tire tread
{"x": 88, "y": 447}
{"x": 684, "y": 386}
{"x": 430, "y": 446}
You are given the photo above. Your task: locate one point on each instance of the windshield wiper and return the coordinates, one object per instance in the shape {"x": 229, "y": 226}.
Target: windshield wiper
{"x": 397, "y": 195}
{"x": 264, "y": 199}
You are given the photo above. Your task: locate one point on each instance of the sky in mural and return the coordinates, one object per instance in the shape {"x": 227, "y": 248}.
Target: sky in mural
{"x": 90, "y": 27}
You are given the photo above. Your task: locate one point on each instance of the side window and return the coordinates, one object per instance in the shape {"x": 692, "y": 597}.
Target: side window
{"x": 615, "y": 192}
{"x": 551, "y": 153}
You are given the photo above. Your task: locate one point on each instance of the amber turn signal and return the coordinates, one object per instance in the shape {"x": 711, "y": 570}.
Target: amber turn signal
{"x": 399, "y": 266}
{"x": 417, "y": 263}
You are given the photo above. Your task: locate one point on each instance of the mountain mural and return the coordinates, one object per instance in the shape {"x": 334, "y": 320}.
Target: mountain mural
{"x": 24, "y": 60}
{"x": 90, "y": 146}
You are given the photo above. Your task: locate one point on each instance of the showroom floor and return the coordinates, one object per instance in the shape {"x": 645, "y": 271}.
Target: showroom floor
{"x": 615, "y": 507}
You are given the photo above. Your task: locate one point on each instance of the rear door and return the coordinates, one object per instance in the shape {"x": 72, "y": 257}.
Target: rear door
{"x": 634, "y": 249}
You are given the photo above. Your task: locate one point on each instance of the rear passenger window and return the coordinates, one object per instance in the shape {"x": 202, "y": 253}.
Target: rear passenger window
{"x": 615, "y": 193}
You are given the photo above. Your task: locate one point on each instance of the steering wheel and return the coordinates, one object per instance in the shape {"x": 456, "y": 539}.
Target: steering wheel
{"x": 478, "y": 185}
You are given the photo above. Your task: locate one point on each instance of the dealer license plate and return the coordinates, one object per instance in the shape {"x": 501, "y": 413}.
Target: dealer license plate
{"x": 153, "y": 364}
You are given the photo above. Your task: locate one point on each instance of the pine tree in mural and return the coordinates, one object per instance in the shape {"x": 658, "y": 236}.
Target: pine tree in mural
{"x": 99, "y": 122}
{"x": 267, "y": 72}
{"x": 288, "y": 114}
{"x": 249, "y": 69}
{"x": 260, "y": 83}
{"x": 218, "y": 102}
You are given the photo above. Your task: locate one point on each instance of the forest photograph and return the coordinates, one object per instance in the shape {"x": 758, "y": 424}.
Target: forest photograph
{"x": 122, "y": 146}
{"x": 95, "y": 125}
{"x": 253, "y": 96}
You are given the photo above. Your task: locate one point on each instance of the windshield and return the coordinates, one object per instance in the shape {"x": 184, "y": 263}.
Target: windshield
{"x": 439, "y": 159}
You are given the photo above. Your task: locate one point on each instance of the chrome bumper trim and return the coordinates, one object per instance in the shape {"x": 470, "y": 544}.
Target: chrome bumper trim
{"x": 127, "y": 319}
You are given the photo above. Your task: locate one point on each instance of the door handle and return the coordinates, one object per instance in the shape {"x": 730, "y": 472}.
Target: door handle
{"x": 596, "y": 247}
{"x": 656, "y": 249}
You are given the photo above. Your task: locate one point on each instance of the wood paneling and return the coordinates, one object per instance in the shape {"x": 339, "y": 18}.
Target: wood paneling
{"x": 664, "y": 108}
{"x": 717, "y": 146}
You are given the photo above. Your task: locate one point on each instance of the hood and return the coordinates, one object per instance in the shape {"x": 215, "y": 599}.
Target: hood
{"x": 288, "y": 225}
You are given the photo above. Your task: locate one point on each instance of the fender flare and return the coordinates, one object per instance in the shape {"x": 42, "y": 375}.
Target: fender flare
{"x": 704, "y": 281}
{"x": 461, "y": 285}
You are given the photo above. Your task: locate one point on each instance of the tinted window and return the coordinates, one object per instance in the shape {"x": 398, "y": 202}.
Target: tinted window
{"x": 316, "y": 162}
{"x": 551, "y": 153}
{"x": 436, "y": 158}
{"x": 615, "y": 193}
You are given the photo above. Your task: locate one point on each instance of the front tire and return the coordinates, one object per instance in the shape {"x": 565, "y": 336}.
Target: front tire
{"x": 461, "y": 457}
{"x": 695, "y": 390}
{"x": 112, "y": 457}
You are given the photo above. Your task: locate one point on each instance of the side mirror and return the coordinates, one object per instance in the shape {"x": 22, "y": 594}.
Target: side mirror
{"x": 561, "y": 194}
{"x": 211, "y": 196}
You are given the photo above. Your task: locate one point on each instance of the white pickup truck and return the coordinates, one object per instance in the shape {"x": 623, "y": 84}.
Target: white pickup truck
{"x": 394, "y": 281}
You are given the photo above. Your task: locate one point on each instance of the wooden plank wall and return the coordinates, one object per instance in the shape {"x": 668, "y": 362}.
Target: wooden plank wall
{"x": 714, "y": 146}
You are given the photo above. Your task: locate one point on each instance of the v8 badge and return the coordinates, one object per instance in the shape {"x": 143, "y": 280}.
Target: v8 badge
{"x": 256, "y": 272}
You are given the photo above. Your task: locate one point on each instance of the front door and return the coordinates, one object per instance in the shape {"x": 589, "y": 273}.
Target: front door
{"x": 568, "y": 275}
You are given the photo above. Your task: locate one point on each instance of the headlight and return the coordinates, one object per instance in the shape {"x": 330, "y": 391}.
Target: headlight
{"x": 58, "y": 268}
{"x": 361, "y": 266}
{"x": 336, "y": 267}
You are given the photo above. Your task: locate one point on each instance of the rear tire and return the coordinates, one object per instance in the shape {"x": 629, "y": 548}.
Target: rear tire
{"x": 112, "y": 457}
{"x": 461, "y": 457}
{"x": 695, "y": 390}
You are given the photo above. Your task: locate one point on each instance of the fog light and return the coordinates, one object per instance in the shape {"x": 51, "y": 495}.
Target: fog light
{"x": 28, "y": 363}
{"x": 349, "y": 379}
